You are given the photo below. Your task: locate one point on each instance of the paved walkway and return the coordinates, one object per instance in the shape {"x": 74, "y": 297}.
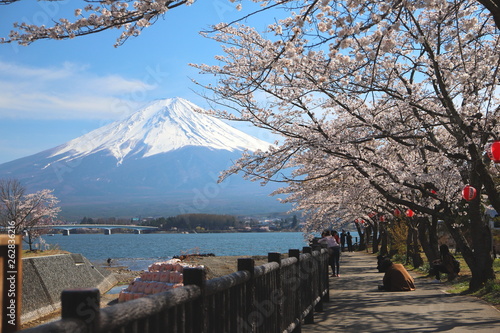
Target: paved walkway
{"x": 356, "y": 305}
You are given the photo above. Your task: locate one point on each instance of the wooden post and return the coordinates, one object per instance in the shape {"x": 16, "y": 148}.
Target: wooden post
{"x": 197, "y": 276}
{"x": 309, "y": 318}
{"x": 278, "y": 290}
{"x": 298, "y": 303}
{"x": 274, "y": 257}
{"x": 11, "y": 281}
{"x": 247, "y": 323}
{"x": 317, "y": 247}
{"x": 82, "y": 304}
{"x": 326, "y": 280}
{"x": 320, "y": 277}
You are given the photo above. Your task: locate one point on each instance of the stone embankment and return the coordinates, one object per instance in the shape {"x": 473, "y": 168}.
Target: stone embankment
{"x": 44, "y": 278}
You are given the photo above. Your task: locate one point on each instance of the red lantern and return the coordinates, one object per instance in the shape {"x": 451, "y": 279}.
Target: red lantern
{"x": 469, "y": 193}
{"x": 410, "y": 213}
{"x": 494, "y": 152}
{"x": 433, "y": 191}
{"x": 397, "y": 212}
{"x": 381, "y": 218}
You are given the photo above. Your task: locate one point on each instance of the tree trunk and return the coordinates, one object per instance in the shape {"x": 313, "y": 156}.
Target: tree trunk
{"x": 494, "y": 8}
{"x": 368, "y": 233}
{"x": 482, "y": 264}
{"x": 482, "y": 269}
{"x": 361, "y": 244}
{"x": 477, "y": 257}
{"x": 433, "y": 236}
{"x": 412, "y": 245}
{"x": 408, "y": 245}
{"x": 417, "y": 259}
{"x": 427, "y": 236}
{"x": 383, "y": 239}
{"x": 29, "y": 240}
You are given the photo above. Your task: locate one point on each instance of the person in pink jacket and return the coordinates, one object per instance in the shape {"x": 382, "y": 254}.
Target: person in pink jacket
{"x": 332, "y": 241}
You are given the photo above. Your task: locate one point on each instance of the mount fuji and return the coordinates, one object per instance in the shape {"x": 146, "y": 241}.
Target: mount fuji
{"x": 162, "y": 160}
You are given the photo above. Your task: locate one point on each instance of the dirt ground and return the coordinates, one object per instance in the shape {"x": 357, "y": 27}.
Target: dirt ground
{"x": 220, "y": 266}
{"x": 215, "y": 267}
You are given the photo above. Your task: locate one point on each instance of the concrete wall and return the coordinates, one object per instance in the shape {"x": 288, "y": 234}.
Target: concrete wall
{"x": 44, "y": 278}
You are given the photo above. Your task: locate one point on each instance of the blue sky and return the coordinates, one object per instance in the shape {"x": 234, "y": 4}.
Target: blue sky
{"x": 54, "y": 91}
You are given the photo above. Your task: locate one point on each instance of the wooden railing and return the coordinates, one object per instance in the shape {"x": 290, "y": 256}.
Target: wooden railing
{"x": 276, "y": 297}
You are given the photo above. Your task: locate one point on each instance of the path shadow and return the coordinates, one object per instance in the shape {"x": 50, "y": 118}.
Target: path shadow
{"x": 356, "y": 305}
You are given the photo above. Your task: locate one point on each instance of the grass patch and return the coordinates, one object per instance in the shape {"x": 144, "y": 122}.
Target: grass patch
{"x": 490, "y": 292}
{"x": 460, "y": 286}
{"x": 40, "y": 253}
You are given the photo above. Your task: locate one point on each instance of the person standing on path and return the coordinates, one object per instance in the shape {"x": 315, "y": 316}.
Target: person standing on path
{"x": 336, "y": 254}
{"x": 331, "y": 239}
{"x": 342, "y": 240}
{"x": 349, "y": 241}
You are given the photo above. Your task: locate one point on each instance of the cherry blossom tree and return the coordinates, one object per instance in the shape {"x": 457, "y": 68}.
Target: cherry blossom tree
{"x": 401, "y": 94}
{"x": 332, "y": 188}
{"x": 96, "y": 16}
{"x": 366, "y": 83}
{"x": 133, "y": 16}
{"x": 28, "y": 212}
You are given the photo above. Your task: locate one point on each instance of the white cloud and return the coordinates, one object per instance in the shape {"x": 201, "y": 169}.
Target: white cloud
{"x": 47, "y": 74}
{"x": 70, "y": 91}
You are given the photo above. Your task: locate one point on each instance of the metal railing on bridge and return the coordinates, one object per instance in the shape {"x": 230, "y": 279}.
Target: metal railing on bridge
{"x": 276, "y": 297}
{"x": 66, "y": 228}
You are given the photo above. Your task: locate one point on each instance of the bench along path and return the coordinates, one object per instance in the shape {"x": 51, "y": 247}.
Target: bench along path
{"x": 356, "y": 305}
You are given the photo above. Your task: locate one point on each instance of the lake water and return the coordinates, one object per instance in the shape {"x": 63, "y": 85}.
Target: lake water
{"x": 139, "y": 251}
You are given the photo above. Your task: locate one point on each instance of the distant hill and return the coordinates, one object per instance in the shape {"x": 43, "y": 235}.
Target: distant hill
{"x": 162, "y": 160}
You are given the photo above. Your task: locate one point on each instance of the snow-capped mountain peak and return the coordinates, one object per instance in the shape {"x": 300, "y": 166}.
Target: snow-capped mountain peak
{"x": 163, "y": 160}
{"x": 162, "y": 126}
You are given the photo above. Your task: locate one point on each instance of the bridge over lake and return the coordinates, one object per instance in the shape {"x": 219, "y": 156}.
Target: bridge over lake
{"x": 66, "y": 228}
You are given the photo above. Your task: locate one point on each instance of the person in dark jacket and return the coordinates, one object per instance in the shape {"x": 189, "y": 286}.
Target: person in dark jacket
{"x": 445, "y": 264}
{"x": 396, "y": 277}
{"x": 349, "y": 242}
{"x": 343, "y": 238}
